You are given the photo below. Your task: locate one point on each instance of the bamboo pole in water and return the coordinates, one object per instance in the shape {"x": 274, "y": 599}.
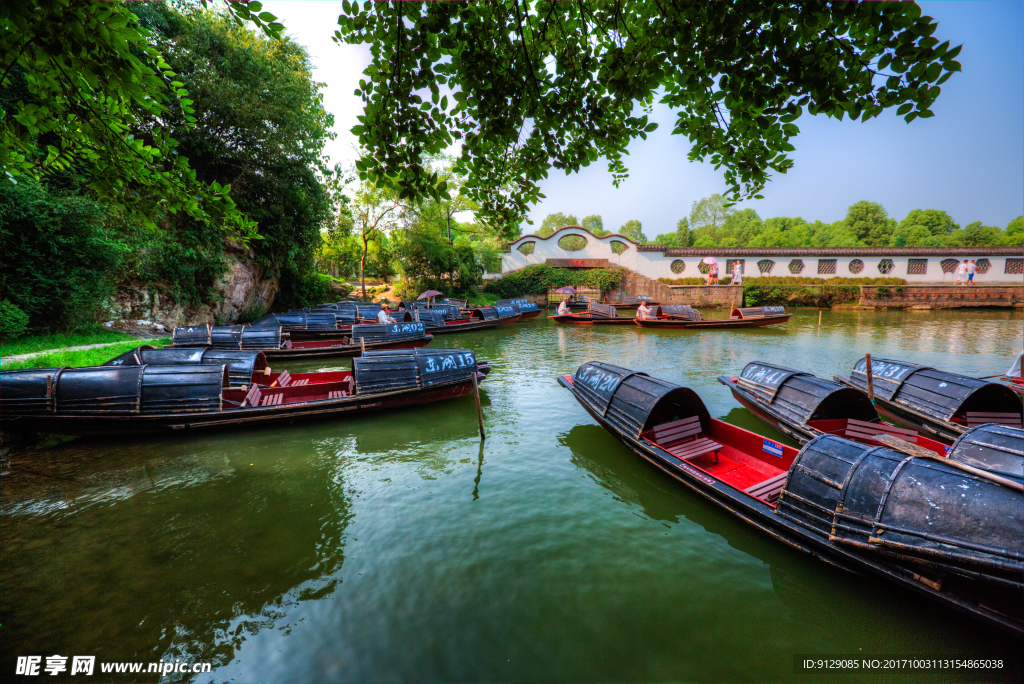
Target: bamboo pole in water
{"x": 479, "y": 408}
{"x": 871, "y": 380}
{"x": 819, "y": 318}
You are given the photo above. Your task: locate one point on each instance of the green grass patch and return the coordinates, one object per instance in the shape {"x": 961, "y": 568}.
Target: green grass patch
{"x": 83, "y": 357}
{"x": 93, "y": 335}
{"x": 476, "y": 298}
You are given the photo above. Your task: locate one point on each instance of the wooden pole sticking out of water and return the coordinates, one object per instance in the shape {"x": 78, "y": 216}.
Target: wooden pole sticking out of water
{"x": 871, "y": 380}
{"x": 479, "y": 408}
{"x": 819, "y": 318}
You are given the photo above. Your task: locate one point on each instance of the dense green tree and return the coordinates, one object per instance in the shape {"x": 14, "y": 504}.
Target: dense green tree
{"x": 935, "y": 221}
{"x": 633, "y": 230}
{"x": 85, "y": 77}
{"x": 1013, "y": 236}
{"x": 869, "y": 222}
{"x": 526, "y": 86}
{"x": 595, "y": 224}
{"x": 710, "y": 214}
{"x": 556, "y": 221}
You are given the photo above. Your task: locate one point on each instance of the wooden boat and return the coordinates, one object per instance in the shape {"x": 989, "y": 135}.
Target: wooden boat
{"x": 526, "y": 308}
{"x": 942, "y": 405}
{"x": 740, "y": 318}
{"x": 276, "y": 344}
{"x": 863, "y": 508}
{"x": 317, "y": 324}
{"x": 596, "y": 314}
{"x": 632, "y": 302}
{"x": 479, "y": 319}
{"x": 118, "y": 400}
{"x": 245, "y": 368}
{"x": 803, "y": 406}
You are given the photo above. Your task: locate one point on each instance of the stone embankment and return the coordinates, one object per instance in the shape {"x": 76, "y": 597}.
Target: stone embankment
{"x": 941, "y": 296}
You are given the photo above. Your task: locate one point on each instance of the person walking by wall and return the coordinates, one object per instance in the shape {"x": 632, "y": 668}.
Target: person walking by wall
{"x": 737, "y": 273}
{"x": 961, "y": 273}
{"x": 713, "y": 274}
{"x": 971, "y": 269}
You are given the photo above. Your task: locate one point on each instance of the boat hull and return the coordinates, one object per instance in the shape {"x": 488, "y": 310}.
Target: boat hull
{"x": 339, "y": 351}
{"x": 940, "y": 430}
{"x": 714, "y": 323}
{"x": 471, "y": 326}
{"x": 573, "y": 319}
{"x": 93, "y": 425}
{"x": 762, "y": 515}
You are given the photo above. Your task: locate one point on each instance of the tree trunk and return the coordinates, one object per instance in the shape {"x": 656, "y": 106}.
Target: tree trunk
{"x": 362, "y": 267}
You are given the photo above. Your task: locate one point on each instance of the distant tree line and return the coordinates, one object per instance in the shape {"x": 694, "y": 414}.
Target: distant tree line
{"x": 712, "y": 223}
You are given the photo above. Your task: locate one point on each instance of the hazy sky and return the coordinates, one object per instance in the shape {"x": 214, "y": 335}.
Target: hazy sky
{"x": 967, "y": 160}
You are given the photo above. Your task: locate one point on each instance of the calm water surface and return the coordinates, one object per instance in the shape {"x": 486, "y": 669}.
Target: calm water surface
{"x": 394, "y": 548}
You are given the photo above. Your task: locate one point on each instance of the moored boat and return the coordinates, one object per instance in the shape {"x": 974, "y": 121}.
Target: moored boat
{"x": 525, "y": 307}
{"x": 118, "y": 400}
{"x": 803, "y": 406}
{"x": 631, "y": 302}
{"x": 276, "y": 344}
{"x": 941, "y": 404}
{"x": 479, "y": 319}
{"x": 753, "y": 317}
{"x": 835, "y": 498}
{"x": 596, "y": 314}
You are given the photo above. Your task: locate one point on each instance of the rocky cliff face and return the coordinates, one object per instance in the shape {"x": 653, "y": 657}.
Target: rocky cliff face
{"x": 242, "y": 288}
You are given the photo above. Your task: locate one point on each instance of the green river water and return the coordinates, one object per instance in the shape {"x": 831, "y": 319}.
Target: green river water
{"x": 395, "y": 548}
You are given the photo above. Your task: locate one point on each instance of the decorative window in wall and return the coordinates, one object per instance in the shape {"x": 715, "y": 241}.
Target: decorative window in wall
{"x": 729, "y": 264}
{"x": 572, "y": 243}
{"x": 917, "y": 266}
{"x": 678, "y": 266}
{"x": 826, "y": 266}
{"x": 765, "y": 266}
{"x": 856, "y": 266}
{"x": 796, "y": 266}
{"x": 885, "y": 266}
{"x": 983, "y": 265}
{"x": 949, "y": 265}
{"x": 618, "y": 246}
{"x": 526, "y": 247}
{"x": 1014, "y": 266}
{"x": 704, "y": 268}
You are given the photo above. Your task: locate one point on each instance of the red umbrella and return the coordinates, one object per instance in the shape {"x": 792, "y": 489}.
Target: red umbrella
{"x": 565, "y": 290}
{"x": 429, "y": 293}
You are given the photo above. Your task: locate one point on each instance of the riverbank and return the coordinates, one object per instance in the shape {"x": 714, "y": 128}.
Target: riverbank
{"x": 84, "y": 355}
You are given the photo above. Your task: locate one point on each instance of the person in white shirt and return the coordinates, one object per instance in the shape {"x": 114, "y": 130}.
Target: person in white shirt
{"x": 563, "y": 308}
{"x": 961, "y": 273}
{"x": 971, "y": 268}
{"x": 643, "y": 311}
{"x": 383, "y": 317}
{"x": 737, "y": 274}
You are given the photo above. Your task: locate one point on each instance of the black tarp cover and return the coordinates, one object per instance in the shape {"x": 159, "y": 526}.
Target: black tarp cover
{"x": 799, "y": 397}
{"x": 997, "y": 448}
{"x": 388, "y": 371}
{"x": 240, "y": 364}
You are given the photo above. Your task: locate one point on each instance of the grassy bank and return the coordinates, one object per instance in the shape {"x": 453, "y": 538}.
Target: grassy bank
{"x": 83, "y": 357}
{"x": 94, "y": 335}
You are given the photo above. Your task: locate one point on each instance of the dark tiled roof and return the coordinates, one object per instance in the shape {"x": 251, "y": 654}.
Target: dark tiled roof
{"x": 534, "y": 236}
{"x": 833, "y": 251}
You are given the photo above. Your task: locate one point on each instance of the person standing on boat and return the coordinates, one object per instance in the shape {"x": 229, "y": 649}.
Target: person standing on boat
{"x": 383, "y": 317}
{"x": 563, "y": 307}
{"x": 971, "y": 268}
{"x": 737, "y": 274}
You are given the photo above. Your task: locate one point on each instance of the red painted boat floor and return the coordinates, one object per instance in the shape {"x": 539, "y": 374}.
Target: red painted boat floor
{"x": 736, "y": 468}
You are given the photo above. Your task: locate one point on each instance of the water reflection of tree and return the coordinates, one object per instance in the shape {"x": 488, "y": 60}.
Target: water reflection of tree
{"x": 179, "y": 555}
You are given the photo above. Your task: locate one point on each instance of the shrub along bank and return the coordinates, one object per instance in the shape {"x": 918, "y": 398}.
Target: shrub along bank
{"x": 541, "y": 278}
{"x": 810, "y": 291}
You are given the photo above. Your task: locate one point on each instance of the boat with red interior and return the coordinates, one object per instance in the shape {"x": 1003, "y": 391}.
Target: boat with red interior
{"x": 945, "y": 527}
{"x": 443, "y": 322}
{"x": 277, "y": 344}
{"x": 596, "y": 314}
{"x": 803, "y": 406}
{"x": 941, "y": 404}
{"x": 147, "y": 398}
{"x": 751, "y": 317}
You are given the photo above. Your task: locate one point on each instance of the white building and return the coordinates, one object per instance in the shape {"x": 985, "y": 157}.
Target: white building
{"x": 995, "y": 265}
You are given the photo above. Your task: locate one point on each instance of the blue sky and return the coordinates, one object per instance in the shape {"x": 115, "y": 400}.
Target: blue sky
{"x": 967, "y": 160}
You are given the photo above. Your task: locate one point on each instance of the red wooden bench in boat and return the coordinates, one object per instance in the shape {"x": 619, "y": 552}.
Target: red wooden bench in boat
{"x": 976, "y": 418}
{"x": 282, "y": 380}
{"x": 682, "y": 439}
{"x": 253, "y": 397}
{"x": 770, "y": 489}
{"x": 864, "y": 430}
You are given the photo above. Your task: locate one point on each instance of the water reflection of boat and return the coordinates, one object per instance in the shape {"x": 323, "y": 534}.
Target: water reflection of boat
{"x": 803, "y": 406}
{"x": 942, "y": 404}
{"x": 136, "y": 399}
{"x": 179, "y": 554}
{"x": 897, "y": 516}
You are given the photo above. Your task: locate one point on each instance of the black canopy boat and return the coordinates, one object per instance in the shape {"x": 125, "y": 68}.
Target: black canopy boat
{"x": 948, "y": 528}
{"x": 751, "y": 317}
{"x": 631, "y": 302}
{"x": 126, "y": 399}
{"x": 525, "y": 307}
{"x": 479, "y": 319}
{"x": 596, "y": 314}
{"x": 316, "y": 324}
{"x": 804, "y": 406}
{"x": 938, "y": 403}
{"x": 276, "y": 344}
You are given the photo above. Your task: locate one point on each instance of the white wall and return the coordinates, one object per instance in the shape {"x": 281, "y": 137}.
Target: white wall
{"x": 656, "y": 265}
